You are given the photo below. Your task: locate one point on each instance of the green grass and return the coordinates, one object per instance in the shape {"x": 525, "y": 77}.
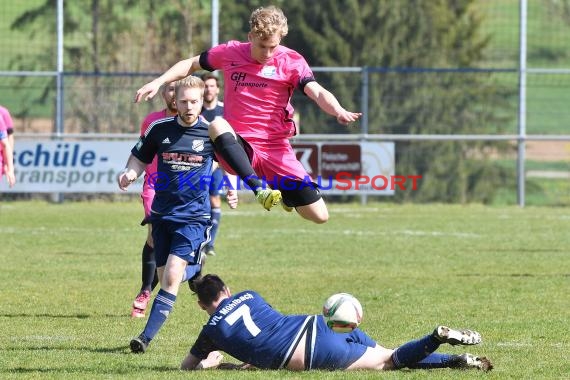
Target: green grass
{"x": 70, "y": 272}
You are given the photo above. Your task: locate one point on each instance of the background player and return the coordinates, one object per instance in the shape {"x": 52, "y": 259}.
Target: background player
{"x": 7, "y": 146}
{"x": 212, "y": 109}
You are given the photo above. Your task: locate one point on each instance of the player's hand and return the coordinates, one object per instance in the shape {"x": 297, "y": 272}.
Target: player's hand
{"x": 11, "y": 178}
{"x": 125, "y": 178}
{"x": 148, "y": 91}
{"x": 234, "y": 366}
{"x": 232, "y": 198}
{"x": 346, "y": 117}
{"x": 213, "y": 360}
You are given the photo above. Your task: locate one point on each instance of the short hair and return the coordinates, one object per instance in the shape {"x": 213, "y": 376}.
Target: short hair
{"x": 207, "y": 76}
{"x": 208, "y": 288}
{"x": 268, "y": 21}
{"x": 165, "y": 86}
{"x": 190, "y": 81}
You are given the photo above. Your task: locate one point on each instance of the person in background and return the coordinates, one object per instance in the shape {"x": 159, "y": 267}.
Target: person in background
{"x": 7, "y": 146}
{"x": 212, "y": 109}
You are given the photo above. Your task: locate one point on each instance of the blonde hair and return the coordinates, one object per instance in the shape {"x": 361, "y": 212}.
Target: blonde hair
{"x": 190, "y": 81}
{"x": 268, "y": 21}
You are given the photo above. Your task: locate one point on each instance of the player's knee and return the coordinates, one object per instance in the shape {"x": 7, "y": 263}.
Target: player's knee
{"x": 219, "y": 126}
{"x": 321, "y": 218}
{"x": 316, "y": 212}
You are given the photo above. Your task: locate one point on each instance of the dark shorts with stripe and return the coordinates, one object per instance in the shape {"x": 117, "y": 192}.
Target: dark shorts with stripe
{"x": 329, "y": 350}
{"x": 184, "y": 240}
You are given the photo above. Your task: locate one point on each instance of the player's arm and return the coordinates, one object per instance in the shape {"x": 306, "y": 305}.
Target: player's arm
{"x": 232, "y": 198}
{"x": 9, "y": 161}
{"x": 132, "y": 170}
{"x": 180, "y": 70}
{"x": 191, "y": 362}
{"x": 329, "y": 103}
{"x": 11, "y": 138}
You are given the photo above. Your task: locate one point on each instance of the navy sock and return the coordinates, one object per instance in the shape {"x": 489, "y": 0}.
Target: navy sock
{"x": 215, "y": 216}
{"x": 191, "y": 272}
{"x": 411, "y": 353}
{"x": 161, "y": 308}
{"x": 434, "y": 360}
{"x": 227, "y": 146}
{"x": 148, "y": 268}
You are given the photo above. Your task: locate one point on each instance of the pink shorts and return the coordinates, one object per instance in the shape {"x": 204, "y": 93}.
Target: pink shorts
{"x": 147, "y": 196}
{"x": 272, "y": 160}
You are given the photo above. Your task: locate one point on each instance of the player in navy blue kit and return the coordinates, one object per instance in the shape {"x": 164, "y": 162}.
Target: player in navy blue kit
{"x": 246, "y": 327}
{"x": 180, "y": 213}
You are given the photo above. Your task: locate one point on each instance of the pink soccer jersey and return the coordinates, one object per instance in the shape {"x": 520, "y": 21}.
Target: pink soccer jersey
{"x": 147, "y": 194}
{"x": 3, "y": 136}
{"x": 6, "y": 123}
{"x": 252, "y": 90}
{"x": 5, "y": 116}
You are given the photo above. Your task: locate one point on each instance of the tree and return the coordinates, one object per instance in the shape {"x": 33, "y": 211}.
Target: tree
{"x": 104, "y": 38}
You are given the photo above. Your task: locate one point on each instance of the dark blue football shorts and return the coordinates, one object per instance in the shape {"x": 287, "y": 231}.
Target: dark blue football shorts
{"x": 184, "y": 240}
{"x": 334, "y": 350}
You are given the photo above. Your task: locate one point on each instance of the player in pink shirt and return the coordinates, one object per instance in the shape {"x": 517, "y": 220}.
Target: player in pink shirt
{"x": 149, "y": 278}
{"x": 5, "y": 115}
{"x": 252, "y": 140}
{"x": 7, "y": 146}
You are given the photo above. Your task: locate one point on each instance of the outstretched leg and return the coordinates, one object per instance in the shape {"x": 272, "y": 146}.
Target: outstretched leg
{"x": 416, "y": 353}
{"x": 232, "y": 152}
{"x": 465, "y": 361}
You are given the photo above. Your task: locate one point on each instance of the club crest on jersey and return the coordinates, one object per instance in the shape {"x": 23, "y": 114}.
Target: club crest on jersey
{"x": 268, "y": 71}
{"x": 198, "y": 145}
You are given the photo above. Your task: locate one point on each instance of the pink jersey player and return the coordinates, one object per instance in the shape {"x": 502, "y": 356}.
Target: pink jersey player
{"x": 251, "y": 93}
{"x": 252, "y": 140}
{"x": 147, "y": 194}
{"x": 257, "y": 97}
{"x": 6, "y": 129}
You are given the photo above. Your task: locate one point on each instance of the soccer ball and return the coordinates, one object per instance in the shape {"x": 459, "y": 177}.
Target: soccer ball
{"x": 342, "y": 312}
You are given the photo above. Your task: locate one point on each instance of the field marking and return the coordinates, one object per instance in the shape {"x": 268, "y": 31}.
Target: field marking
{"x": 439, "y": 233}
{"x": 35, "y": 338}
{"x": 527, "y": 345}
{"x": 50, "y": 230}
{"x": 373, "y": 233}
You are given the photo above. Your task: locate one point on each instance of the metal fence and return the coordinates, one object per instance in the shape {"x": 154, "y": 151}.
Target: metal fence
{"x": 537, "y": 120}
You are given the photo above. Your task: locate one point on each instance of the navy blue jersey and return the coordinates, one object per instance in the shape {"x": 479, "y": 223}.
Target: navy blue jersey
{"x": 249, "y": 329}
{"x": 184, "y": 163}
{"x": 217, "y": 111}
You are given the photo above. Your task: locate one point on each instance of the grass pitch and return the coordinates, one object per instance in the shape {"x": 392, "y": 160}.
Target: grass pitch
{"x": 70, "y": 272}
